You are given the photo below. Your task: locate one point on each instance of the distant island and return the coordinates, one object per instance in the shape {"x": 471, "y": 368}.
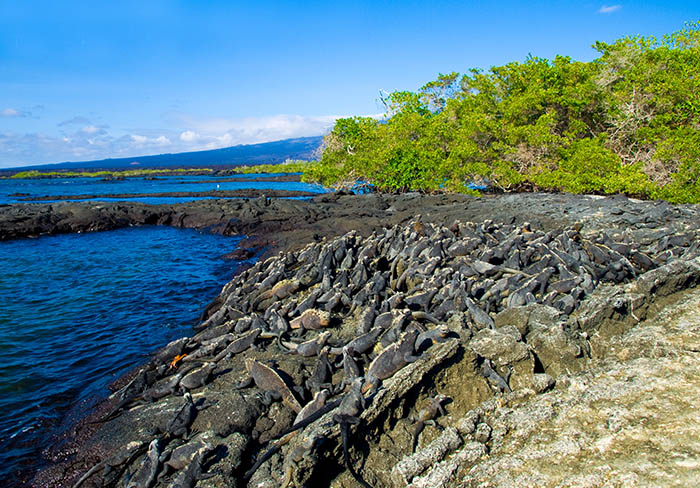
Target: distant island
{"x": 302, "y": 148}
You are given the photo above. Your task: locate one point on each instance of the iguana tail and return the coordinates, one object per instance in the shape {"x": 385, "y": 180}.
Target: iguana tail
{"x": 346, "y": 454}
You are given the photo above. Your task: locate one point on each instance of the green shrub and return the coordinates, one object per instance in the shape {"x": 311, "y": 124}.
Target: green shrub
{"x": 589, "y": 167}
{"x": 626, "y": 122}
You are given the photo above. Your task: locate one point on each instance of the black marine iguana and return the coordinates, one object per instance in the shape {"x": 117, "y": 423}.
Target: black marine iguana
{"x": 392, "y": 359}
{"x": 268, "y": 380}
{"x": 121, "y": 458}
{"x": 179, "y": 424}
{"x": 309, "y": 348}
{"x": 427, "y": 416}
{"x": 146, "y": 473}
{"x": 322, "y": 374}
{"x": 353, "y": 401}
{"x": 352, "y": 405}
{"x": 198, "y": 377}
{"x": 488, "y": 371}
{"x": 288, "y": 434}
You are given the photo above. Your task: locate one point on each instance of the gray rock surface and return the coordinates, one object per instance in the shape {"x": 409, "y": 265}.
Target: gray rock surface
{"x": 630, "y": 420}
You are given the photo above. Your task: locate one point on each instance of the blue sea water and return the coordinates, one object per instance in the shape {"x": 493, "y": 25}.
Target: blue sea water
{"x": 15, "y": 190}
{"x": 78, "y": 310}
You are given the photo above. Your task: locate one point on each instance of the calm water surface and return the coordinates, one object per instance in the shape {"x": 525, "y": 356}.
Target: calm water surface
{"x": 13, "y": 191}
{"x": 78, "y": 310}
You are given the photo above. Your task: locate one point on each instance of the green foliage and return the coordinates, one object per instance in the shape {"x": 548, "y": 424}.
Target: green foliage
{"x": 350, "y": 138}
{"x": 682, "y": 153}
{"x": 289, "y": 166}
{"x": 627, "y": 122}
{"x": 26, "y": 174}
{"x": 589, "y": 167}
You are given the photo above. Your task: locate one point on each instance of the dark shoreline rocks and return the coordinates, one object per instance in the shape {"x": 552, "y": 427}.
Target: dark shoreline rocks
{"x": 277, "y": 224}
{"x": 587, "y": 270}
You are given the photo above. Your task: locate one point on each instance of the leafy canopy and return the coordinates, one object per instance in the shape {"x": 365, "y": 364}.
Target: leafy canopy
{"x": 627, "y": 122}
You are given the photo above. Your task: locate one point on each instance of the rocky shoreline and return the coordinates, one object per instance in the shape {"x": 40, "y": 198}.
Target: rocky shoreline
{"x": 275, "y": 224}
{"x": 244, "y": 193}
{"x": 471, "y": 312}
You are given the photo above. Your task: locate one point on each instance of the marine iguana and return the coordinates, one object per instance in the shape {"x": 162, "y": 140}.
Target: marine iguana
{"x": 157, "y": 392}
{"x": 365, "y": 320}
{"x": 352, "y": 405}
{"x": 360, "y": 344}
{"x": 398, "y": 326}
{"x": 135, "y": 386}
{"x": 313, "y": 406}
{"x": 170, "y": 350}
{"x": 351, "y": 399}
{"x": 421, "y": 315}
{"x": 479, "y": 316}
{"x": 293, "y": 458}
{"x": 150, "y": 395}
{"x": 289, "y": 434}
{"x": 120, "y": 458}
{"x": 421, "y": 299}
{"x": 350, "y": 367}
{"x": 311, "y": 319}
{"x": 307, "y": 303}
{"x": 146, "y": 473}
{"x": 198, "y": 377}
{"x": 128, "y": 394}
{"x": 334, "y": 301}
{"x": 431, "y": 336}
{"x": 180, "y": 457}
{"x": 239, "y": 345}
{"x": 207, "y": 348}
{"x": 179, "y": 424}
{"x": 189, "y": 476}
{"x": 309, "y": 348}
{"x": 267, "y": 379}
{"x": 386, "y": 319}
{"x": 394, "y": 357}
{"x": 276, "y": 324}
{"x": 322, "y": 374}
{"x": 427, "y": 416}
{"x": 281, "y": 290}
{"x": 488, "y": 371}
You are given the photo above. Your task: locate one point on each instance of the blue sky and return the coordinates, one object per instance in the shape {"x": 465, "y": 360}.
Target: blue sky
{"x": 90, "y": 80}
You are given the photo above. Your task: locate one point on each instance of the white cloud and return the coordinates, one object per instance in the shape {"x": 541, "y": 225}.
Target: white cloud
{"x": 605, "y": 9}
{"x": 212, "y": 133}
{"x": 90, "y": 129}
{"x": 35, "y": 148}
{"x": 150, "y": 141}
{"x": 189, "y": 136}
{"x": 12, "y": 112}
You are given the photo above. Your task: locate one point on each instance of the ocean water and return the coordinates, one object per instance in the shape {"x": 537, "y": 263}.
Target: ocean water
{"x": 78, "y": 310}
{"x": 14, "y": 191}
